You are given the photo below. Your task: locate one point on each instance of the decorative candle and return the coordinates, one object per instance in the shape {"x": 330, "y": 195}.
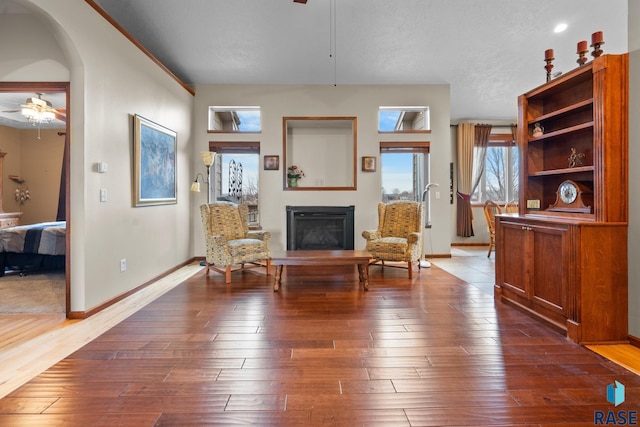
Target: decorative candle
{"x": 597, "y": 37}
{"x": 582, "y": 46}
{"x": 548, "y": 54}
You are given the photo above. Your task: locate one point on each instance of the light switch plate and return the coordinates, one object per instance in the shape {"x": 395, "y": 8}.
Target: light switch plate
{"x": 533, "y": 204}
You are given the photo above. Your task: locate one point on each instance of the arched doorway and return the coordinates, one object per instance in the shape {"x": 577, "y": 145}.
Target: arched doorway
{"x": 13, "y": 95}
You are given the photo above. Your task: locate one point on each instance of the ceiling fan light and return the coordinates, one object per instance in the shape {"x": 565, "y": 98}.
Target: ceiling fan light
{"x": 38, "y": 110}
{"x": 29, "y": 113}
{"x": 47, "y": 116}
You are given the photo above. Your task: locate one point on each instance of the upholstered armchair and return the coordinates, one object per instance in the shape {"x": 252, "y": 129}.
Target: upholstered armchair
{"x": 229, "y": 241}
{"x": 398, "y": 237}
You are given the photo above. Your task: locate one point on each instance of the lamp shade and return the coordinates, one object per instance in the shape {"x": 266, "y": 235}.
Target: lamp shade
{"x": 208, "y": 157}
{"x": 195, "y": 186}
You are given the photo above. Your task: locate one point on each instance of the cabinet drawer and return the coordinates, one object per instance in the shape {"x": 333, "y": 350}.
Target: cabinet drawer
{"x": 9, "y": 222}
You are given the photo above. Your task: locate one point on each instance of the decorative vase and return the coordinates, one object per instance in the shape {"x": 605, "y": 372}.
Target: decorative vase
{"x": 293, "y": 182}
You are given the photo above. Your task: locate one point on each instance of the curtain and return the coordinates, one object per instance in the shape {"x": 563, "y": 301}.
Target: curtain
{"x": 61, "y": 215}
{"x": 465, "y": 170}
{"x": 471, "y": 149}
{"x": 481, "y": 142}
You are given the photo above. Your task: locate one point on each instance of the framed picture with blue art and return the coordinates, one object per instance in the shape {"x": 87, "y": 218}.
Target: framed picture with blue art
{"x": 154, "y": 167}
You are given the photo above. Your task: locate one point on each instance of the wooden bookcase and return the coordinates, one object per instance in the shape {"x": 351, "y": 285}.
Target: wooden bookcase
{"x": 567, "y": 263}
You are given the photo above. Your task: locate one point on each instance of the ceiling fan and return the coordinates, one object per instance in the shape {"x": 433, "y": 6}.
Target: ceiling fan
{"x": 38, "y": 110}
{"x": 300, "y": 1}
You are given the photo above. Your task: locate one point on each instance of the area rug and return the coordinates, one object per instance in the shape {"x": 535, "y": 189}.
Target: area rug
{"x": 33, "y": 293}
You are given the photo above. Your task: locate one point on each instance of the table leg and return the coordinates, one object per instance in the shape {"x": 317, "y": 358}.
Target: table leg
{"x": 363, "y": 273}
{"x": 276, "y": 283}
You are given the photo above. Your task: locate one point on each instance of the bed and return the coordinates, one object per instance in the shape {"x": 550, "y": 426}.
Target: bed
{"x": 33, "y": 247}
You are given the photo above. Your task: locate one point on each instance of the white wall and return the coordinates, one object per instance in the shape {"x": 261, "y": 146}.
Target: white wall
{"x": 110, "y": 80}
{"x": 277, "y": 101}
{"x": 634, "y": 172}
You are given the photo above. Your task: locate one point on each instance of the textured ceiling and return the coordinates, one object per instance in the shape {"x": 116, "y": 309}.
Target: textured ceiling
{"x": 489, "y": 51}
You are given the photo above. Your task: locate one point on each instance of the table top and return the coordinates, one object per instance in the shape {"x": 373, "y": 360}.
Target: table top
{"x": 322, "y": 256}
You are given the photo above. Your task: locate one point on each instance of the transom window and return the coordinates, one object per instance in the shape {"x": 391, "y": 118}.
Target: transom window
{"x": 235, "y": 119}
{"x": 403, "y": 119}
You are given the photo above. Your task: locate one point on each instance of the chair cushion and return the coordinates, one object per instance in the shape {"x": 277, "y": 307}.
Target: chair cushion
{"x": 239, "y": 248}
{"x": 388, "y": 248}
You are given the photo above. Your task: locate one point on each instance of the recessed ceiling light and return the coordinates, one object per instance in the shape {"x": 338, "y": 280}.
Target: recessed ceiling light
{"x": 560, "y": 28}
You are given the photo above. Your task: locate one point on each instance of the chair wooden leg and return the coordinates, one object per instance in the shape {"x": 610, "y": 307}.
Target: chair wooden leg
{"x": 227, "y": 274}
{"x": 410, "y": 270}
{"x": 490, "y": 248}
{"x": 207, "y": 264}
{"x": 268, "y": 265}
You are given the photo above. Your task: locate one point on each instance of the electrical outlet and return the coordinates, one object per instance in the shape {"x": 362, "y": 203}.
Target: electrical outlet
{"x": 123, "y": 265}
{"x": 103, "y": 194}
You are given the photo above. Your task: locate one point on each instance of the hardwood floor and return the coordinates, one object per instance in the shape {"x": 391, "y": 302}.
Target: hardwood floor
{"x": 433, "y": 351}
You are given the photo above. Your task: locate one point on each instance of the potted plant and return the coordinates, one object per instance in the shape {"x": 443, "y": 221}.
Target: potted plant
{"x": 294, "y": 173}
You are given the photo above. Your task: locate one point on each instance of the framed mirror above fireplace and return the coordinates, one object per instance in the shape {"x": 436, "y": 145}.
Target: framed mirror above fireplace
{"x": 324, "y": 151}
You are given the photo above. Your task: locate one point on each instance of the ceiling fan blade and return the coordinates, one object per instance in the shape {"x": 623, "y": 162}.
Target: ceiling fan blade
{"x": 11, "y": 111}
{"x": 60, "y": 115}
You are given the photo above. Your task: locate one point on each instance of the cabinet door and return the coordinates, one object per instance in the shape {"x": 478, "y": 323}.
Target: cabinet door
{"x": 550, "y": 270}
{"x": 513, "y": 247}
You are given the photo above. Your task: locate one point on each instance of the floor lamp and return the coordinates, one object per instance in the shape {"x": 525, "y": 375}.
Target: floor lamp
{"x": 427, "y": 220}
{"x": 208, "y": 158}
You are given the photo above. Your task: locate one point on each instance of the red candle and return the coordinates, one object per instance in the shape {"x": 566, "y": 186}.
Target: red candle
{"x": 582, "y": 46}
{"x": 597, "y": 38}
{"x": 548, "y": 54}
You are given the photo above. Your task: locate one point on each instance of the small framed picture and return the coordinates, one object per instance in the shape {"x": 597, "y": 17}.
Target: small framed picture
{"x": 271, "y": 163}
{"x": 368, "y": 164}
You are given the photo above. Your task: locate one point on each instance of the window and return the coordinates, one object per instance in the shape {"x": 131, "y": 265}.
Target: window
{"x": 235, "y": 175}
{"x": 402, "y": 175}
{"x": 235, "y": 119}
{"x": 403, "y": 119}
{"x": 405, "y": 171}
{"x": 499, "y": 181}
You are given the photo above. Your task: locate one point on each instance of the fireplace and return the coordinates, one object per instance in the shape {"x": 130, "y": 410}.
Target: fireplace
{"x": 319, "y": 227}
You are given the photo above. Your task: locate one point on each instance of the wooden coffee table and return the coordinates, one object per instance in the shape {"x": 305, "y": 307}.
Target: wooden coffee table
{"x": 322, "y": 258}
